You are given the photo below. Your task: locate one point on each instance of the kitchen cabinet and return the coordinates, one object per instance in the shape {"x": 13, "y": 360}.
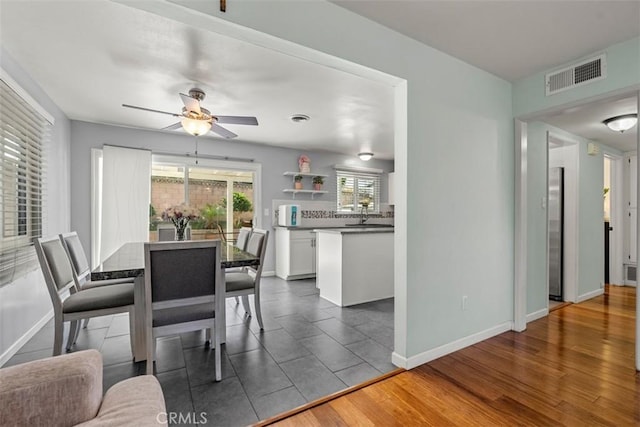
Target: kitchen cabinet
{"x": 295, "y": 253}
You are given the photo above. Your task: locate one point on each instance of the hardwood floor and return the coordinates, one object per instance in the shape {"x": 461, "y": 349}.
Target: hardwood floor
{"x": 574, "y": 367}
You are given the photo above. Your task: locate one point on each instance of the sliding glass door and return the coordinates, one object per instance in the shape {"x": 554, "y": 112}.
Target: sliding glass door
{"x": 206, "y": 190}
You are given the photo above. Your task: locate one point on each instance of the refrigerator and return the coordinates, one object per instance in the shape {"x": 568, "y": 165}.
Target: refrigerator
{"x": 556, "y": 222}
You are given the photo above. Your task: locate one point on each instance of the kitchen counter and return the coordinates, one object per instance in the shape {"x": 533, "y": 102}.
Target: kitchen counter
{"x": 354, "y": 265}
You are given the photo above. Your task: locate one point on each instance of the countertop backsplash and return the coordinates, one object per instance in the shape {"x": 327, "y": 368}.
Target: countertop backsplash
{"x": 318, "y": 213}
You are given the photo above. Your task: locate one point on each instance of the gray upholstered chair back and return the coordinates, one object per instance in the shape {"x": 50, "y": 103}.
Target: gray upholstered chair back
{"x": 76, "y": 253}
{"x": 257, "y": 245}
{"x": 179, "y": 270}
{"x": 56, "y": 268}
{"x": 243, "y": 238}
{"x": 166, "y": 234}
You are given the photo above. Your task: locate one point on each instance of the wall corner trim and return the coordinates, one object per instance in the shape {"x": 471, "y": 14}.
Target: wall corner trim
{"x": 451, "y": 347}
{"x": 399, "y": 361}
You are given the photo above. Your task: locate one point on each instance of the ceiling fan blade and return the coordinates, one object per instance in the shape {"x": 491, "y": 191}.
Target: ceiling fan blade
{"x": 173, "y": 126}
{"x": 151, "y": 110}
{"x": 191, "y": 104}
{"x": 222, "y": 131}
{"x": 237, "y": 120}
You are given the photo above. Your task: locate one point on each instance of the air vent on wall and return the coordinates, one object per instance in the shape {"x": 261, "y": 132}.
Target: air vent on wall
{"x": 630, "y": 273}
{"x": 583, "y": 72}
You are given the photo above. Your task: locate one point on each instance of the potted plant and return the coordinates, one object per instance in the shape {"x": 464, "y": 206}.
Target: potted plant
{"x": 298, "y": 182}
{"x": 317, "y": 183}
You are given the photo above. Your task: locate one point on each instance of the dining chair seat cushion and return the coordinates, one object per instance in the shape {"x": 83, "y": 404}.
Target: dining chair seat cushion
{"x": 99, "y": 298}
{"x": 172, "y": 316}
{"x": 237, "y": 281}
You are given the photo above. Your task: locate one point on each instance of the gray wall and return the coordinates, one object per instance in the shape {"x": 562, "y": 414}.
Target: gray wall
{"x": 274, "y": 161}
{"x": 25, "y": 302}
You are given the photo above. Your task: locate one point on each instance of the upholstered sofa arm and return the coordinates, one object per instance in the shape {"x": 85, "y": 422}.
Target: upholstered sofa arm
{"x": 137, "y": 401}
{"x": 62, "y": 391}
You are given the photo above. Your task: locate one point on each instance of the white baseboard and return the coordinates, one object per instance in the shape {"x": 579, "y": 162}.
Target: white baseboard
{"x": 429, "y": 355}
{"x": 590, "y": 295}
{"x": 268, "y": 273}
{"x": 16, "y": 346}
{"x": 537, "y": 315}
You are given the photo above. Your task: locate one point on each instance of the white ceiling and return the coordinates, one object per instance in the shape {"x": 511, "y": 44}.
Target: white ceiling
{"x": 89, "y": 68}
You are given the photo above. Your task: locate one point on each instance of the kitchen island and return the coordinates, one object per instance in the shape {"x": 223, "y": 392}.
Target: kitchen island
{"x": 354, "y": 265}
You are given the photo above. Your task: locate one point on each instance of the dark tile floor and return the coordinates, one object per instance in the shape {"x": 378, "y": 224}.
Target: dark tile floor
{"x": 309, "y": 348}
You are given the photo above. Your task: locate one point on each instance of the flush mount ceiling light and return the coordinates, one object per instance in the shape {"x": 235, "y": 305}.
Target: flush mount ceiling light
{"x": 365, "y": 156}
{"x": 622, "y": 123}
{"x": 299, "y": 118}
{"x": 195, "y": 127}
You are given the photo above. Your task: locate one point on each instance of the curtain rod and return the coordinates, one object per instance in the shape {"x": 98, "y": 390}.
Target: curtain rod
{"x": 203, "y": 156}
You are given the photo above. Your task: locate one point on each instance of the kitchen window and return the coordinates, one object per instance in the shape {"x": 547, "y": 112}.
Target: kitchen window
{"x": 25, "y": 129}
{"x": 357, "y": 191}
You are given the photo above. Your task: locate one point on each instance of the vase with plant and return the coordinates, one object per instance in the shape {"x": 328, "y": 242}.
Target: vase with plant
{"x": 180, "y": 216}
{"x": 317, "y": 183}
{"x": 297, "y": 182}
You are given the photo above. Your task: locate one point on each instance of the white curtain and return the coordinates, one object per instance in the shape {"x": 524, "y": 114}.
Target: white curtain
{"x": 126, "y": 194}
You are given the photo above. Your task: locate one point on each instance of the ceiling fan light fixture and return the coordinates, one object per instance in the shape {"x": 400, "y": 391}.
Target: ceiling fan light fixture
{"x": 365, "y": 156}
{"x": 621, "y": 123}
{"x": 195, "y": 127}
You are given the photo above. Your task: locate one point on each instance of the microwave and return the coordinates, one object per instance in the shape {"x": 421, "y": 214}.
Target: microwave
{"x": 289, "y": 215}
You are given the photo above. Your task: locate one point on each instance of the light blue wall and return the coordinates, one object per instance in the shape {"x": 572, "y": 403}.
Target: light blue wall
{"x": 460, "y": 166}
{"x": 623, "y": 71}
{"x": 274, "y": 161}
{"x": 25, "y": 301}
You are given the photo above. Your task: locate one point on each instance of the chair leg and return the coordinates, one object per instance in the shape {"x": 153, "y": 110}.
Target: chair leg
{"x": 245, "y": 303}
{"x": 207, "y": 336}
{"x": 85, "y": 323}
{"x": 58, "y": 335}
{"x": 218, "y": 356}
{"x": 132, "y": 332}
{"x": 73, "y": 327}
{"x": 151, "y": 353}
{"x": 256, "y": 302}
{"x": 237, "y": 301}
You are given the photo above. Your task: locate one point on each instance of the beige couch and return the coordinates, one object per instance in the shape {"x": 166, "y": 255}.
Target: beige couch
{"x": 67, "y": 390}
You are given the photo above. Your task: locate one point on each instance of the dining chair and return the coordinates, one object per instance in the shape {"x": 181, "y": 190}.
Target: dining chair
{"x": 245, "y": 283}
{"x": 166, "y": 234}
{"x": 183, "y": 292}
{"x": 73, "y": 305}
{"x": 241, "y": 243}
{"x": 81, "y": 270}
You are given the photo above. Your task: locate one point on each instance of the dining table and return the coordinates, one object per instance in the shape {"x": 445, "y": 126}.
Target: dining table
{"x": 128, "y": 262}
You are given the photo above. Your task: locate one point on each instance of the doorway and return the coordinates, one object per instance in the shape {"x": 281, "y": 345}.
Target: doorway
{"x": 562, "y": 220}
{"x": 613, "y": 214}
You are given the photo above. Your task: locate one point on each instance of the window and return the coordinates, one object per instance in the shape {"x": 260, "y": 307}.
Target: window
{"x": 24, "y": 131}
{"x": 358, "y": 190}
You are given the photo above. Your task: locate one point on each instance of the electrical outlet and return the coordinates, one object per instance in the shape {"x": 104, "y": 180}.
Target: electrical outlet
{"x": 464, "y": 302}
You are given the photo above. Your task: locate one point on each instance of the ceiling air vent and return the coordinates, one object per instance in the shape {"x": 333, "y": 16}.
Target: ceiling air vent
{"x": 584, "y": 72}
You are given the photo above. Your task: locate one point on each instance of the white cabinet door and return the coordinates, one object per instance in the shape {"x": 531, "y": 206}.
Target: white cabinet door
{"x": 303, "y": 257}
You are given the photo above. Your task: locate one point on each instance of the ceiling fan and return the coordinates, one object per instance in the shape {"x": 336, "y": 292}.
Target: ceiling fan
{"x": 197, "y": 120}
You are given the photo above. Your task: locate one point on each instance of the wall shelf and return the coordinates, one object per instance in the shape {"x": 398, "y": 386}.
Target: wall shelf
{"x": 304, "y": 174}
{"x": 293, "y": 191}
{"x": 312, "y": 192}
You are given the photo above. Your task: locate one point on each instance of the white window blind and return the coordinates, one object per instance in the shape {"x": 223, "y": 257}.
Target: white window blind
{"x": 22, "y": 165}
{"x": 356, "y": 190}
